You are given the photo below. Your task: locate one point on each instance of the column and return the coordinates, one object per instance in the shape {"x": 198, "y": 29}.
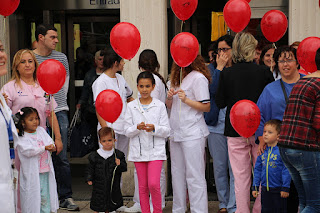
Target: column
{"x": 150, "y": 17}
{"x": 304, "y": 20}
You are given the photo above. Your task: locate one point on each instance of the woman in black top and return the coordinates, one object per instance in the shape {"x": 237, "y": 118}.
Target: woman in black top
{"x": 244, "y": 80}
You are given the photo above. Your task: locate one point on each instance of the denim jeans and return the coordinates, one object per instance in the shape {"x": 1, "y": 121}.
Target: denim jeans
{"x": 61, "y": 162}
{"x": 304, "y": 167}
{"x": 218, "y": 148}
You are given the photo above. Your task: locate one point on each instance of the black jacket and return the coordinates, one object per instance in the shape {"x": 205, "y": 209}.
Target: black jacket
{"x": 100, "y": 172}
{"x": 241, "y": 81}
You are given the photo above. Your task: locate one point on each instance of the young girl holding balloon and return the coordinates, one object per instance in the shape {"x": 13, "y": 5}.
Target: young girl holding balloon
{"x": 38, "y": 190}
{"x": 188, "y": 98}
{"x": 147, "y": 126}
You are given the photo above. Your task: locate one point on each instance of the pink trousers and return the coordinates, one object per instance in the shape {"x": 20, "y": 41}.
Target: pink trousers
{"x": 149, "y": 181}
{"x": 239, "y": 149}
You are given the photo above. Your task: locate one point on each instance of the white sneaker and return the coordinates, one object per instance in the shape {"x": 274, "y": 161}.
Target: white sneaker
{"x": 134, "y": 208}
{"x": 121, "y": 209}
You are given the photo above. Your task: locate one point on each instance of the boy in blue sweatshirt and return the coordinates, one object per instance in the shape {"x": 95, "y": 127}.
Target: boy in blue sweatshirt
{"x": 271, "y": 173}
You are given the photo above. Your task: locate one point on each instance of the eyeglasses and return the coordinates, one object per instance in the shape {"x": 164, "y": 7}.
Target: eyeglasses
{"x": 287, "y": 61}
{"x": 223, "y": 49}
{"x": 1, "y": 50}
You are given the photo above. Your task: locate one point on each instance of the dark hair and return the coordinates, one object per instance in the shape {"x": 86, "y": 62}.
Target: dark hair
{"x": 104, "y": 131}
{"x": 109, "y": 58}
{"x": 149, "y": 62}
{"x": 146, "y": 75}
{"x": 227, "y": 38}
{"x": 20, "y": 117}
{"x": 317, "y": 59}
{"x": 275, "y": 123}
{"x": 263, "y": 52}
{"x": 43, "y": 29}
{"x": 279, "y": 51}
{"x": 261, "y": 44}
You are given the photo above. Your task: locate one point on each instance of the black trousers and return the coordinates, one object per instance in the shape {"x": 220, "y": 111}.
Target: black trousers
{"x": 271, "y": 201}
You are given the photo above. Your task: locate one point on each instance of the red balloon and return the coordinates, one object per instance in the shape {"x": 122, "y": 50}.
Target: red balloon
{"x": 274, "y": 25}
{"x": 237, "y": 14}
{"x": 245, "y": 118}
{"x": 306, "y": 53}
{"x": 184, "y": 49}
{"x": 51, "y": 75}
{"x": 184, "y": 9}
{"x": 125, "y": 39}
{"x": 8, "y": 7}
{"x": 109, "y": 105}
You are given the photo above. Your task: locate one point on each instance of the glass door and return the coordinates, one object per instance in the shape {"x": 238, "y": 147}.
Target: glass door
{"x": 86, "y": 36}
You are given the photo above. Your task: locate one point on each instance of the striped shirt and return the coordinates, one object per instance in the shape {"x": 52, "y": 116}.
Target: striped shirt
{"x": 61, "y": 96}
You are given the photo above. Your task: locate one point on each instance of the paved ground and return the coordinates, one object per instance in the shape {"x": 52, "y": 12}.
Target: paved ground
{"x": 84, "y": 206}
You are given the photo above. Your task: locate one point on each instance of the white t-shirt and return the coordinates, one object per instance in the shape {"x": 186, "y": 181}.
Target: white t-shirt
{"x": 119, "y": 85}
{"x": 186, "y": 122}
{"x": 159, "y": 91}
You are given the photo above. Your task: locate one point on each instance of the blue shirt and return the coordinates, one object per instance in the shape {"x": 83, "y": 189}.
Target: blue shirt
{"x": 278, "y": 174}
{"x": 272, "y": 103}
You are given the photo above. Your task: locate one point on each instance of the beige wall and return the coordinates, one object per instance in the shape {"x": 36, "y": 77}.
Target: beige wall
{"x": 304, "y": 19}
{"x": 150, "y": 17}
{"x": 4, "y": 37}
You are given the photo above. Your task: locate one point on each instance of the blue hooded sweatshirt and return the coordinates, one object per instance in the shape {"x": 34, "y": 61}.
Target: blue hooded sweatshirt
{"x": 271, "y": 175}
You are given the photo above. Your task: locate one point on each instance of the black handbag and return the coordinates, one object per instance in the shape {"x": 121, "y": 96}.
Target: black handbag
{"x": 81, "y": 141}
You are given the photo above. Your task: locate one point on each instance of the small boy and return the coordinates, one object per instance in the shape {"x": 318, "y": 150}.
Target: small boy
{"x": 271, "y": 173}
{"x": 104, "y": 173}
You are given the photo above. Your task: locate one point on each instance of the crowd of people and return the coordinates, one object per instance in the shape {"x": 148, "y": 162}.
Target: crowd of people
{"x": 279, "y": 165}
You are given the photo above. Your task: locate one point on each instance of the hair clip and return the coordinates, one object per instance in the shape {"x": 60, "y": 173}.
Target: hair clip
{"x": 20, "y": 112}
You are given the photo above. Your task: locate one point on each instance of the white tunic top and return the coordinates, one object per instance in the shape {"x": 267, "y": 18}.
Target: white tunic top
{"x": 147, "y": 146}
{"x": 119, "y": 85}
{"x": 6, "y": 177}
{"x": 186, "y": 122}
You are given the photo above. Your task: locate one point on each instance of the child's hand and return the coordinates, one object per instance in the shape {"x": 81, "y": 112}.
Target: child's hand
{"x": 141, "y": 126}
{"x": 182, "y": 95}
{"x": 284, "y": 194}
{"x": 255, "y": 194}
{"x": 50, "y": 147}
{"x": 89, "y": 183}
{"x": 149, "y": 127}
{"x": 117, "y": 161}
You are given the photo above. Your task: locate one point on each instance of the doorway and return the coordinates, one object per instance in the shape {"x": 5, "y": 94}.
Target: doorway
{"x": 86, "y": 36}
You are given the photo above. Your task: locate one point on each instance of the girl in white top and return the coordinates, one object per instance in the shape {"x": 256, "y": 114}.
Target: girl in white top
{"x": 110, "y": 79}
{"x": 148, "y": 61}
{"x": 147, "y": 126}
{"x": 38, "y": 189}
{"x": 188, "y": 101}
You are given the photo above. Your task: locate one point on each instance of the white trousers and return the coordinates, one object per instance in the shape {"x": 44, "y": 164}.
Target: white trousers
{"x": 188, "y": 171}
{"x": 163, "y": 186}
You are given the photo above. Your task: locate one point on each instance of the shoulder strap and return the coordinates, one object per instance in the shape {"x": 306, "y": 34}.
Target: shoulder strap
{"x": 284, "y": 91}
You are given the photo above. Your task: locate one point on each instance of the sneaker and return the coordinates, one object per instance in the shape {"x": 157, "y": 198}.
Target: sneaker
{"x": 134, "y": 208}
{"x": 69, "y": 205}
{"x": 121, "y": 209}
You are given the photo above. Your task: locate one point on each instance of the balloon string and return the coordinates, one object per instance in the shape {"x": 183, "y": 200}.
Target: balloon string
{"x": 114, "y": 171}
{"x": 182, "y": 22}
{"x": 251, "y": 162}
{"x": 274, "y": 45}
{"x": 4, "y": 27}
{"x": 50, "y": 98}
{"x": 180, "y": 88}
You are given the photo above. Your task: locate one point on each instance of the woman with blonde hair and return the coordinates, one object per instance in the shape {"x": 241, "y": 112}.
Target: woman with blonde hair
{"x": 243, "y": 80}
{"x": 188, "y": 98}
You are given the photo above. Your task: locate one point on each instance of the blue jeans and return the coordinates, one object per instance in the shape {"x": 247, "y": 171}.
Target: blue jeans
{"x": 304, "y": 167}
{"x": 218, "y": 148}
{"x": 61, "y": 162}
